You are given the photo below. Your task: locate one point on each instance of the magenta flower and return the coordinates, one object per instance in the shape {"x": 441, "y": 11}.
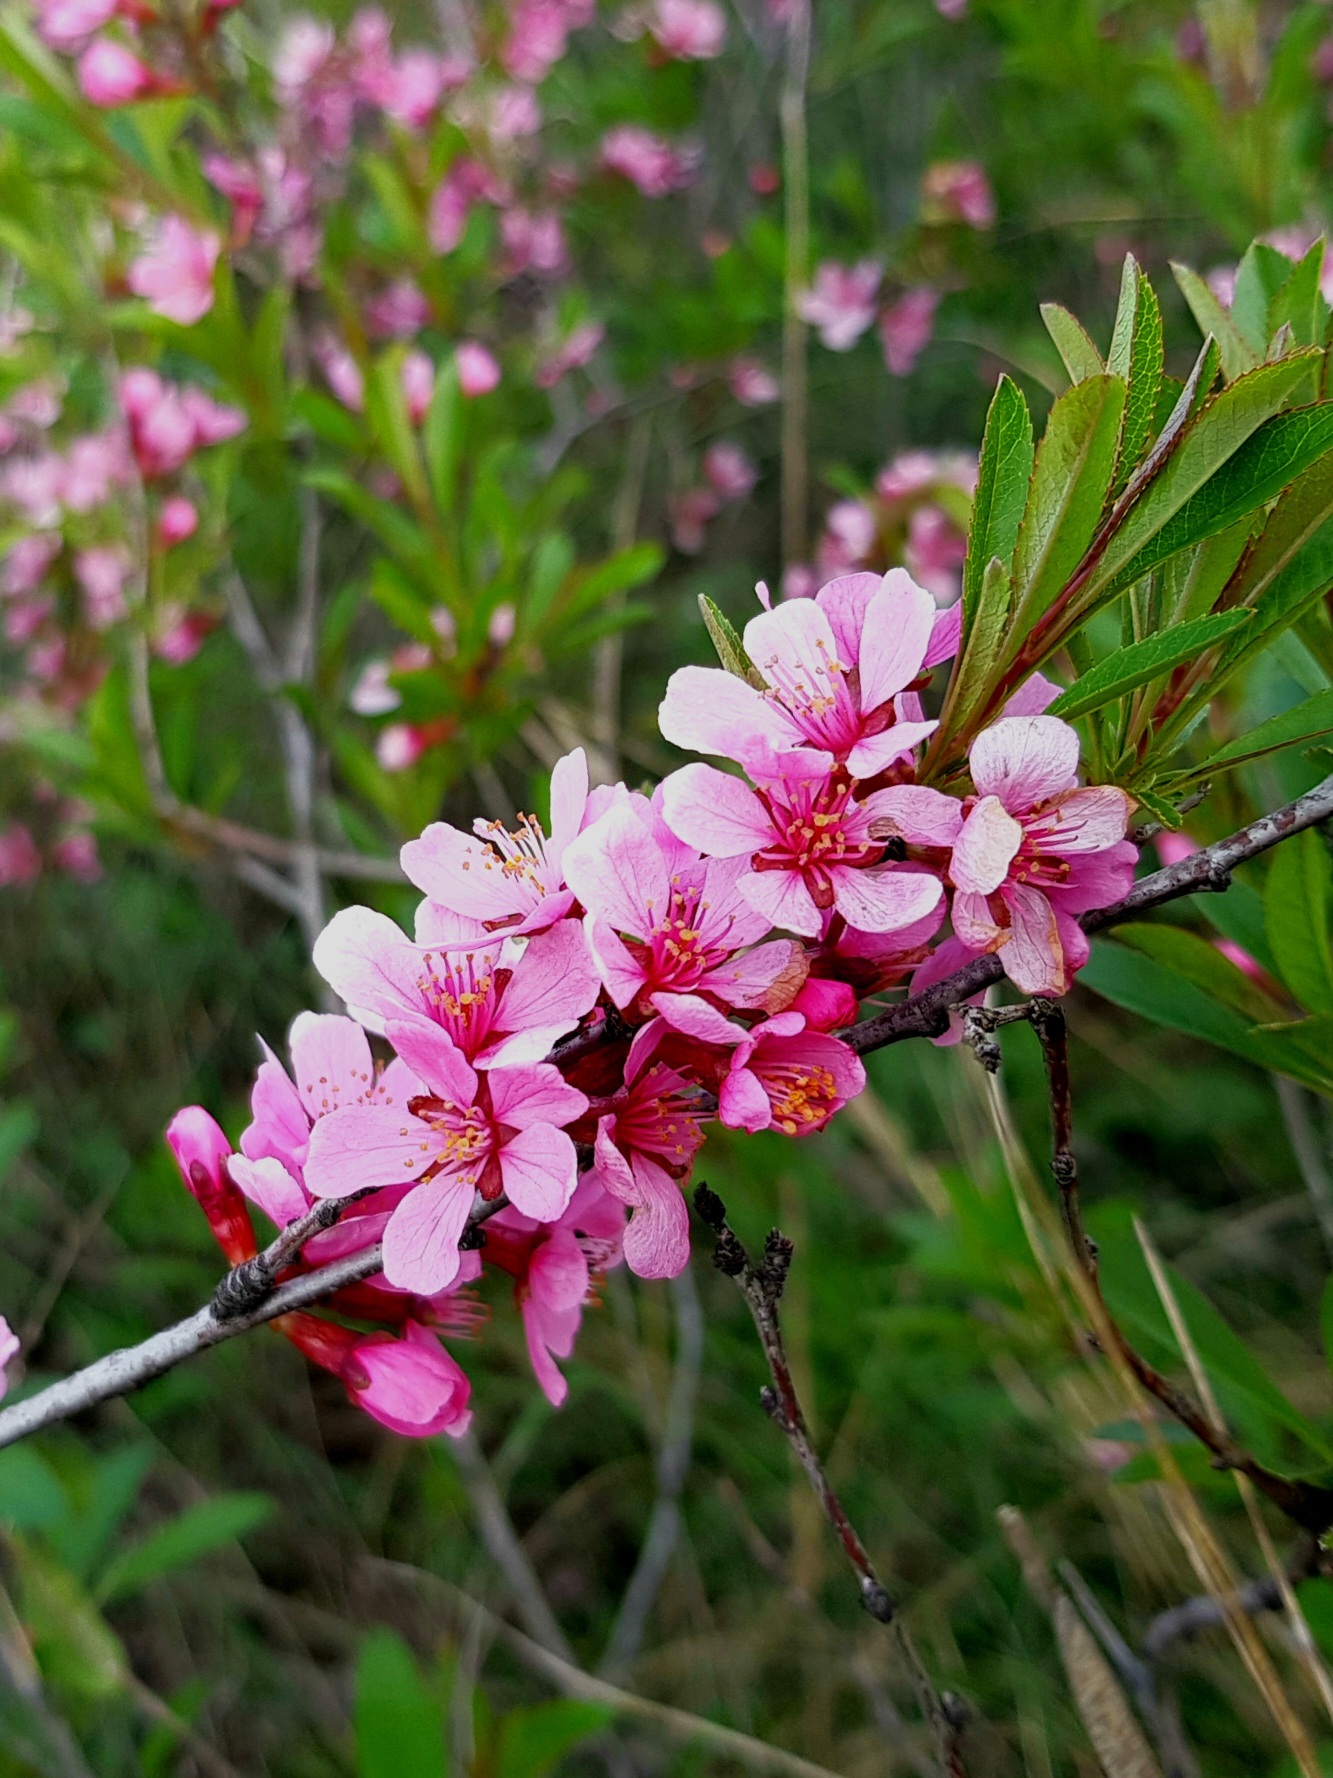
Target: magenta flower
{"x": 68, "y": 24}
{"x": 168, "y": 423}
{"x": 645, "y": 1146}
{"x": 537, "y": 40}
{"x": 111, "y": 75}
{"x": 9, "y": 1351}
{"x": 509, "y": 880}
{"x": 202, "y": 1152}
{"x": 495, "y": 1006}
{"x": 25, "y": 565}
{"x": 905, "y": 328}
{"x": 646, "y": 160}
{"x": 809, "y": 846}
{"x": 501, "y": 1131}
{"x": 786, "y": 1077}
{"x": 669, "y": 932}
{"x": 729, "y": 470}
{"x": 1035, "y": 851}
{"x": 958, "y": 191}
{"x": 841, "y": 302}
{"x": 175, "y": 275}
{"x": 398, "y": 312}
{"x": 411, "y": 1385}
{"x": 555, "y": 1267}
{"x": 688, "y": 30}
{"x": 478, "y": 371}
{"x": 177, "y": 521}
{"x": 101, "y": 572}
{"x": 20, "y": 861}
{"x": 833, "y": 669}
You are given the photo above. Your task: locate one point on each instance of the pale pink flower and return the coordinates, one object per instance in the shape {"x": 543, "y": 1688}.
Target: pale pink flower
{"x": 26, "y": 564}
{"x": 513, "y": 881}
{"x": 240, "y": 184}
{"x": 645, "y": 1146}
{"x": 691, "y": 513}
{"x": 111, "y": 75}
{"x": 341, "y": 371}
{"x": 175, "y": 275}
{"x": 934, "y": 552}
{"x": 513, "y": 112}
{"x": 808, "y": 846}
{"x": 751, "y": 383}
{"x": 76, "y": 854}
{"x": 850, "y": 532}
{"x": 315, "y": 83}
{"x": 20, "y": 861}
{"x": 1035, "y": 851}
{"x": 177, "y": 521}
{"x": 958, "y": 191}
{"x": 180, "y": 634}
{"x": 413, "y": 88}
{"x": 497, "y": 1004}
{"x": 102, "y": 572}
{"x": 478, "y": 371}
{"x": 35, "y": 485}
{"x": 399, "y": 745}
{"x": 833, "y": 669}
{"x": 912, "y": 472}
{"x": 67, "y": 24}
{"x": 9, "y": 1351}
{"x": 647, "y": 160}
{"x": 729, "y": 470}
{"x": 671, "y": 933}
{"x": 491, "y": 1132}
{"x": 501, "y": 624}
{"x": 905, "y": 328}
{"x": 574, "y": 351}
{"x": 537, "y": 40}
{"x": 418, "y": 382}
{"x": 36, "y": 404}
{"x": 555, "y": 1268}
{"x": 841, "y": 302}
{"x": 786, "y": 1077}
{"x": 398, "y": 312}
{"x": 94, "y": 465}
{"x": 689, "y": 30}
{"x": 534, "y": 241}
{"x": 467, "y": 182}
{"x": 372, "y": 694}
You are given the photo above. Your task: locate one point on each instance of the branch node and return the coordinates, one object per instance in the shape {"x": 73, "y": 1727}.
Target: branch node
{"x": 979, "y": 1035}
{"x": 875, "y": 1598}
{"x": 244, "y": 1288}
{"x": 710, "y": 1207}
{"x": 472, "y": 1240}
{"x": 778, "y": 1251}
{"x": 772, "y": 1405}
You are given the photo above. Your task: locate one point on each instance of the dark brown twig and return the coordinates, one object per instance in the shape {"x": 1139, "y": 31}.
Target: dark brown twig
{"x": 762, "y": 1288}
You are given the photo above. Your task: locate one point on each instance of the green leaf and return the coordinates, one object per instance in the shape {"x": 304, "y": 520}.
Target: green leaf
{"x": 386, "y": 409}
{"x": 535, "y": 1738}
{"x": 442, "y": 438}
{"x": 981, "y": 649}
{"x": 1238, "y": 354}
{"x": 1003, "y": 475}
{"x": 1195, "y": 959}
{"x": 184, "y": 1539}
{"x": 399, "y": 533}
{"x": 1129, "y": 667}
{"x": 1142, "y": 985}
{"x": 726, "y": 640}
{"x": 1208, "y": 441}
{"x": 593, "y": 586}
{"x": 1298, "y": 897}
{"x": 1304, "y": 722}
{"x": 329, "y": 420}
{"x": 74, "y": 1644}
{"x": 1073, "y": 470}
{"x": 1260, "y": 275}
{"x": 1080, "y": 357}
{"x": 31, "y": 1495}
{"x": 1136, "y": 355}
{"x": 1282, "y": 449}
{"x": 399, "y": 1724}
{"x": 1299, "y": 303}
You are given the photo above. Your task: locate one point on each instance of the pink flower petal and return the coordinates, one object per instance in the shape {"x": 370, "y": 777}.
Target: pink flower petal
{"x": 1032, "y": 697}
{"x": 361, "y": 1146}
{"x": 331, "y": 1060}
{"x": 621, "y": 972}
{"x": 569, "y": 797}
{"x": 421, "y": 1240}
{"x": 915, "y": 813}
{"x": 884, "y": 899}
{"x": 618, "y": 873}
{"x": 877, "y": 752}
{"x": 985, "y": 848}
{"x": 742, "y": 1102}
{"x": 1033, "y": 957}
{"x": 765, "y": 978}
{"x": 1024, "y": 760}
{"x": 268, "y": 1184}
{"x": 540, "y": 1170}
{"x": 716, "y": 813}
{"x": 898, "y": 625}
{"x": 370, "y": 963}
{"x": 434, "y": 1058}
{"x": 783, "y": 899}
{"x": 710, "y": 711}
{"x": 657, "y": 1241}
{"x": 694, "y": 1017}
{"x": 1086, "y": 821}
{"x": 463, "y": 873}
{"x": 536, "y": 1094}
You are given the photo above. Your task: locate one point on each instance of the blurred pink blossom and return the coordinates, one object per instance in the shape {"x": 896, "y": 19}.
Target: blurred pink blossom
{"x": 67, "y": 24}
{"x": 20, "y": 862}
{"x": 25, "y": 566}
{"x": 102, "y": 572}
{"x": 341, "y": 371}
{"x": 514, "y": 112}
{"x": 35, "y": 404}
{"x": 94, "y": 465}
{"x": 647, "y": 160}
{"x": 466, "y": 183}
{"x": 752, "y": 384}
{"x": 76, "y": 854}
{"x": 689, "y": 30}
{"x": 34, "y": 485}
{"x": 500, "y": 626}
{"x": 849, "y": 536}
{"x": 534, "y": 241}
{"x": 418, "y": 383}
{"x": 478, "y": 371}
{"x": 112, "y": 75}
{"x": 729, "y": 470}
{"x": 398, "y": 746}
{"x": 180, "y": 634}
{"x": 397, "y": 312}
{"x": 841, "y": 302}
{"x": 906, "y": 328}
{"x": 958, "y": 191}
{"x": 573, "y": 353}
{"x": 934, "y": 553}
{"x": 538, "y": 37}
{"x": 178, "y": 519}
{"x": 691, "y": 513}
{"x": 1321, "y": 62}
{"x": 175, "y": 275}
{"x": 169, "y": 422}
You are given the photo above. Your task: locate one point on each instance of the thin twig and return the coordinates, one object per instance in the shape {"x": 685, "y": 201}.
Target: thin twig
{"x": 796, "y": 198}
{"x": 673, "y": 1463}
{"x": 762, "y": 1288}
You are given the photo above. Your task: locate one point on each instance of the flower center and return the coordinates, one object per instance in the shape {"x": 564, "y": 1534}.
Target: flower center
{"x": 803, "y": 1095}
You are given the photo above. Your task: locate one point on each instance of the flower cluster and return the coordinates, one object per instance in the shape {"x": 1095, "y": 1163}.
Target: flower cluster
{"x": 578, "y": 1000}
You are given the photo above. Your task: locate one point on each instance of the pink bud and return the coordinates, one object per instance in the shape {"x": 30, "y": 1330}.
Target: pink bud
{"x": 9, "y": 1350}
{"x": 411, "y": 1385}
{"x": 111, "y": 75}
{"x": 729, "y": 470}
{"x": 418, "y": 378}
{"x": 827, "y": 1005}
{"x": 202, "y": 1151}
{"x": 177, "y": 521}
{"x": 751, "y": 383}
{"x": 500, "y": 628}
{"x": 906, "y": 327}
{"x": 399, "y": 746}
{"x": 478, "y": 371}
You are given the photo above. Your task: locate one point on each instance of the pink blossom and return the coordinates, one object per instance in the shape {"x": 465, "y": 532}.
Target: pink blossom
{"x": 169, "y": 422}
{"x": 534, "y": 241}
{"x": 850, "y": 533}
{"x": 841, "y": 302}
{"x": 111, "y": 75}
{"x": 934, "y": 552}
{"x": 202, "y": 1154}
{"x": 35, "y": 485}
{"x": 555, "y": 1267}
{"x": 466, "y": 183}
{"x": 20, "y": 861}
{"x": 413, "y": 89}
{"x": 951, "y": 9}
{"x": 175, "y": 275}
{"x": 102, "y": 572}
{"x": 497, "y": 1131}
{"x": 729, "y": 470}
{"x": 412, "y": 1385}
{"x": 1035, "y": 851}
{"x": 788, "y": 1078}
{"x": 573, "y": 353}
{"x": 180, "y": 634}
{"x": 689, "y": 30}
{"x": 512, "y": 881}
{"x": 906, "y": 328}
{"x": 418, "y": 383}
{"x": 958, "y": 191}
{"x": 809, "y": 846}
{"x": 691, "y": 513}
{"x": 399, "y": 745}
{"x": 94, "y": 465}
{"x": 240, "y": 184}
{"x": 76, "y": 854}
{"x": 833, "y": 669}
{"x": 68, "y": 24}
{"x": 646, "y": 160}
{"x": 513, "y": 112}
{"x": 341, "y": 371}
{"x": 313, "y": 82}
{"x": 37, "y": 404}
{"x": 538, "y": 37}
{"x": 501, "y": 624}
{"x": 912, "y": 472}
{"x": 9, "y": 1351}
{"x": 398, "y": 312}
{"x": 497, "y": 1004}
{"x": 26, "y": 564}
{"x": 178, "y": 520}
{"x": 478, "y": 372}
{"x": 671, "y": 933}
{"x": 645, "y": 1145}
{"x": 751, "y": 383}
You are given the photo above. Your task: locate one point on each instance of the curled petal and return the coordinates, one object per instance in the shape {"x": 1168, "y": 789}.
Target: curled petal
{"x": 985, "y": 848}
